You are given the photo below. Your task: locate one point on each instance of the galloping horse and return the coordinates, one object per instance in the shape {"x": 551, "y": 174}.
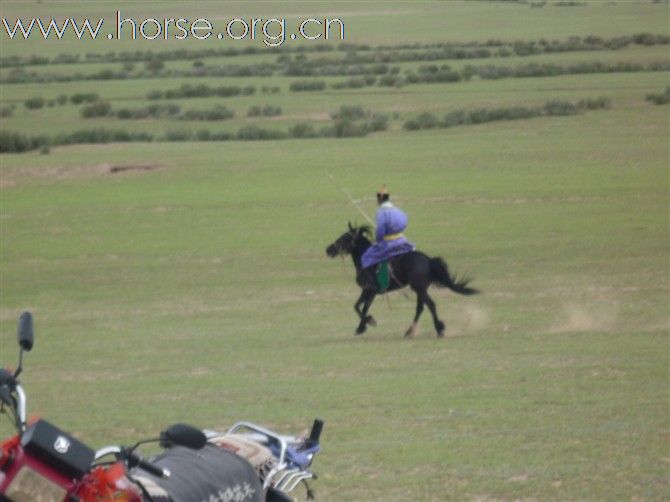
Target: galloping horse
{"x": 414, "y": 269}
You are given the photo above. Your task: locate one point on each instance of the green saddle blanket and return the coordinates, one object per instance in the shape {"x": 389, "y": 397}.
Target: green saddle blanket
{"x": 383, "y": 276}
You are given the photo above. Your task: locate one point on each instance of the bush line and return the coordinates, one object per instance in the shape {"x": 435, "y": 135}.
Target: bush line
{"x": 429, "y": 120}
{"x": 431, "y": 74}
{"x": 347, "y": 122}
{"x": 351, "y": 60}
{"x": 357, "y": 53}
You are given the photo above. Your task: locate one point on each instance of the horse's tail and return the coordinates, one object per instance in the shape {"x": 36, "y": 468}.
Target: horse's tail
{"x": 441, "y": 277}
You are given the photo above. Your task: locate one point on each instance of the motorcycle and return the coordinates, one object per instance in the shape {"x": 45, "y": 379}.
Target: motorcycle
{"x": 247, "y": 462}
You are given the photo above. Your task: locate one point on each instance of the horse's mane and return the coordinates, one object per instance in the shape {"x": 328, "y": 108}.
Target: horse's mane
{"x": 365, "y": 230}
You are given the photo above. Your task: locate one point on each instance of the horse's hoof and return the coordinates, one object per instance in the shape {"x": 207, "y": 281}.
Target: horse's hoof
{"x": 411, "y": 331}
{"x": 360, "y": 331}
{"x": 371, "y": 321}
{"x": 440, "y": 334}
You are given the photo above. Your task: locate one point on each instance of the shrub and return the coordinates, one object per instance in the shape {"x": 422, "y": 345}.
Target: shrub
{"x": 11, "y": 142}
{"x": 271, "y": 110}
{"x": 497, "y": 114}
{"x": 151, "y": 111}
{"x": 155, "y": 94}
{"x": 425, "y": 120}
{"x": 378, "y": 122}
{"x": 227, "y": 91}
{"x": 391, "y": 81}
{"x": 206, "y": 135}
{"x": 34, "y": 103}
{"x": 644, "y": 39}
{"x": 203, "y": 135}
{"x": 356, "y": 83}
{"x": 266, "y": 111}
{"x": 254, "y": 111}
{"x": 84, "y": 97}
{"x": 453, "y": 119}
{"x": 302, "y": 131}
{"x": 557, "y": 107}
{"x": 189, "y": 91}
{"x": 101, "y": 136}
{"x": 520, "y": 112}
{"x": 345, "y": 128}
{"x": 98, "y": 109}
{"x": 307, "y": 85}
{"x": 345, "y": 112}
{"x": 217, "y": 113}
{"x": 178, "y": 135}
{"x": 595, "y": 103}
{"x": 154, "y": 65}
{"x": 253, "y": 132}
{"x": 661, "y": 98}
{"x": 270, "y": 89}
{"x": 200, "y": 91}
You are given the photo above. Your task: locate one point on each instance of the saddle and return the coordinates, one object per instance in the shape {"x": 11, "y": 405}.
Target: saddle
{"x": 383, "y": 276}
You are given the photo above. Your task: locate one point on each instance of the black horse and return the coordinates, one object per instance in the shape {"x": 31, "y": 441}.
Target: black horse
{"x": 414, "y": 269}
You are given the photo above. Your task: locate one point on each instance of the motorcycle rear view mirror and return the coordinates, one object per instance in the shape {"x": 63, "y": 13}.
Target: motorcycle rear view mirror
{"x": 25, "y": 336}
{"x": 25, "y": 331}
{"x": 183, "y": 435}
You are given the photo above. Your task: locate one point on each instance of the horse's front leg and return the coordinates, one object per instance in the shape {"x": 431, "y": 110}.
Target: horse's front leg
{"x": 414, "y": 328}
{"x": 357, "y": 307}
{"x": 367, "y": 295}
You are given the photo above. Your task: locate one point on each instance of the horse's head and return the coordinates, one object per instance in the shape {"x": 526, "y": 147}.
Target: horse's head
{"x": 349, "y": 241}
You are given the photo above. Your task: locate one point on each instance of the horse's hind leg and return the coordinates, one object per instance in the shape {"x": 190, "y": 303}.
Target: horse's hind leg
{"x": 439, "y": 325}
{"x": 366, "y": 299}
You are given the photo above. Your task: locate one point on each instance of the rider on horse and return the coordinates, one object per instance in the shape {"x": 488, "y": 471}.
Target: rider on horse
{"x": 389, "y": 238}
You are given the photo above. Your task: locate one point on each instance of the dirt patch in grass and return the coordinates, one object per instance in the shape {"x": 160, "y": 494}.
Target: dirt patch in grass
{"x": 578, "y": 319}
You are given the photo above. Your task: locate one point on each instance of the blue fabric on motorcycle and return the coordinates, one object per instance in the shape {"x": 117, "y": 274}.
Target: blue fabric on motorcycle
{"x": 210, "y": 473}
{"x": 295, "y": 457}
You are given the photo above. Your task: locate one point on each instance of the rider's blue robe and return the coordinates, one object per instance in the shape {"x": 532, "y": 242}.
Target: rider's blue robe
{"x": 389, "y": 238}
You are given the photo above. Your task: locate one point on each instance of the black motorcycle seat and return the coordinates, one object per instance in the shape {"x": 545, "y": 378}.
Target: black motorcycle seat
{"x": 210, "y": 473}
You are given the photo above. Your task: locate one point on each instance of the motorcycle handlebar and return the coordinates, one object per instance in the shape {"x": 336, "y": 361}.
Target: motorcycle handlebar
{"x": 132, "y": 460}
{"x": 10, "y": 386}
{"x": 137, "y": 461}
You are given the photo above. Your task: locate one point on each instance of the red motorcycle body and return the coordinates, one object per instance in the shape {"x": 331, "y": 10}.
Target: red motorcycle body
{"x": 26, "y": 477}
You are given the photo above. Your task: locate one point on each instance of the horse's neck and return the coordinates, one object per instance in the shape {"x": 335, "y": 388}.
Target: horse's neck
{"x": 358, "y": 251}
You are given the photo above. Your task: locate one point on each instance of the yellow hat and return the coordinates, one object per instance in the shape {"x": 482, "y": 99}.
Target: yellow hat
{"x": 383, "y": 190}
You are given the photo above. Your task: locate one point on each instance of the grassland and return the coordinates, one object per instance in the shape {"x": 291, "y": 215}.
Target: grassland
{"x": 198, "y": 289}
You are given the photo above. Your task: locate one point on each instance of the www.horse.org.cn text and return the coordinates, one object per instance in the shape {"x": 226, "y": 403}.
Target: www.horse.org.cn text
{"x": 273, "y": 32}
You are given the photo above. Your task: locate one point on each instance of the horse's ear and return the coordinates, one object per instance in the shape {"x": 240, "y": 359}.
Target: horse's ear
{"x": 351, "y": 229}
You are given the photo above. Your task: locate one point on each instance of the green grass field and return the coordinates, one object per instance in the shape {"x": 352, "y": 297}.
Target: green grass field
{"x": 199, "y": 290}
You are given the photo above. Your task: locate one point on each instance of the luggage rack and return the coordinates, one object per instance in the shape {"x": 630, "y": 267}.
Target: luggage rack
{"x": 293, "y": 455}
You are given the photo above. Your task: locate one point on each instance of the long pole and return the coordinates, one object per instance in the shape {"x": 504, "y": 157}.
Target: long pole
{"x": 351, "y": 199}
